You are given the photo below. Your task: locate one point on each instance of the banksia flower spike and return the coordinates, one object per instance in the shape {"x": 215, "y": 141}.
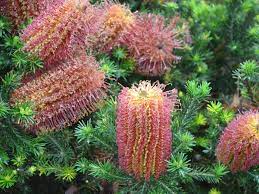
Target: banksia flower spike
{"x": 144, "y": 136}
{"x": 21, "y": 10}
{"x": 151, "y": 43}
{"x": 117, "y": 18}
{"x": 62, "y": 30}
{"x": 239, "y": 144}
{"x": 63, "y": 96}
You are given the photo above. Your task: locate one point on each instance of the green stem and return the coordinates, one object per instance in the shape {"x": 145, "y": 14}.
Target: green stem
{"x": 143, "y": 187}
{"x": 102, "y": 142}
{"x": 115, "y": 176}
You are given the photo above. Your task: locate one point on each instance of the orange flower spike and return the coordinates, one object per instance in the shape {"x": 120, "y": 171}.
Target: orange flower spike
{"x": 62, "y": 30}
{"x": 144, "y": 136}
{"x": 239, "y": 144}
{"x": 117, "y": 18}
{"x": 64, "y": 96}
{"x": 21, "y": 10}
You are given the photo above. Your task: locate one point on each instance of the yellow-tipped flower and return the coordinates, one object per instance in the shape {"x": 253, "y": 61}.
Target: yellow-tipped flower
{"x": 144, "y": 136}
{"x": 239, "y": 144}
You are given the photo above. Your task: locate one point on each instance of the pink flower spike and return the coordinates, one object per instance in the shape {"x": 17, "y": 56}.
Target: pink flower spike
{"x": 63, "y": 95}
{"x": 144, "y": 136}
{"x": 62, "y": 30}
{"x": 238, "y": 146}
{"x": 151, "y": 43}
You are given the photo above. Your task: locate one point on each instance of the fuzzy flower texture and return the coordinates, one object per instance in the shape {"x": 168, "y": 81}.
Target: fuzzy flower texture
{"x": 144, "y": 136}
{"x": 151, "y": 43}
{"x": 63, "y": 96}
{"x": 116, "y": 20}
{"x": 61, "y": 30}
{"x": 239, "y": 144}
{"x": 18, "y": 11}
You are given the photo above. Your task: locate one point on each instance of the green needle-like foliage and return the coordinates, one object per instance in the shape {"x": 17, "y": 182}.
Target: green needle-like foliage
{"x": 82, "y": 165}
{"x": 23, "y": 113}
{"x": 3, "y": 108}
{"x": 66, "y": 173}
{"x": 107, "y": 171}
{"x": 84, "y": 131}
{"x": 7, "y": 179}
{"x": 247, "y": 80}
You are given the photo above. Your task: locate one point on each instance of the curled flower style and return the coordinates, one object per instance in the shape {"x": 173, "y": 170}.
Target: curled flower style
{"x": 116, "y": 19}
{"x": 239, "y": 144}
{"x": 144, "y": 136}
{"x": 151, "y": 43}
{"x": 62, "y": 30}
{"x": 63, "y": 96}
{"x": 21, "y": 10}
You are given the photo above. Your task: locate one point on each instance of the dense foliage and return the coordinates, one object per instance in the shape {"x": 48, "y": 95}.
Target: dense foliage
{"x": 75, "y": 116}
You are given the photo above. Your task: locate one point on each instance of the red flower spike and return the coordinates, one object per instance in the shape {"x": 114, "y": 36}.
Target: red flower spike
{"x": 63, "y": 96}
{"x": 21, "y": 10}
{"x": 60, "y": 31}
{"x": 239, "y": 144}
{"x": 144, "y": 136}
{"x": 151, "y": 43}
{"x": 116, "y": 19}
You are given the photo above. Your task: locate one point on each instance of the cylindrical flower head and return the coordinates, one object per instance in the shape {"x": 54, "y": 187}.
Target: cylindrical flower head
{"x": 144, "y": 136}
{"x": 21, "y": 10}
{"x": 60, "y": 31}
{"x": 151, "y": 43}
{"x": 63, "y": 96}
{"x": 117, "y": 18}
{"x": 238, "y": 146}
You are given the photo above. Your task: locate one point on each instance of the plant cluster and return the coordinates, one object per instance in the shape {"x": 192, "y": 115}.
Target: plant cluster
{"x": 153, "y": 97}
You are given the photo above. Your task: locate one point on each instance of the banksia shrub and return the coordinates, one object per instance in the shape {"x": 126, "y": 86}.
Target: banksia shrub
{"x": 117, "y": 18}
{"x": 63, "y": 96}
{"x": 21, "y": 10}
{"x": 239, "y": 144}
{"x": 151, "y": 43}
{"x": 60, "y": 31}
{"x": 144, "y": 136}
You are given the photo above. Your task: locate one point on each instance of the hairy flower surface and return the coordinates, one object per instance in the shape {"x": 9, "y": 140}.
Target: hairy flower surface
{"x": 21, "y": 10}
{"x": 151, "y": 43}
{"x": 61, "y": 30}
{"x": 63, "y": 96}
{"x": 239, "y": 144}
{"x": 144, "y": 135}
{"x": 117, "y": 18}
